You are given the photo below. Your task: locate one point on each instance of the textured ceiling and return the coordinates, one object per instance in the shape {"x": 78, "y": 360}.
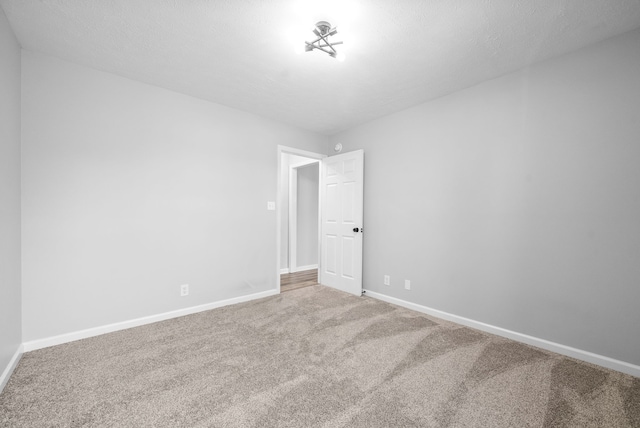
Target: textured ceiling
{"x": 240, "y": 53}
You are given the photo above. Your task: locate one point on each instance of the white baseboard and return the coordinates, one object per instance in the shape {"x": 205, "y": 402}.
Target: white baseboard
{"x": 6, "y": 374}
{"x": 578, "y": 354}
{"x": 96, "y": 331}
{"x": 303, "y": 268}
{"x": 284, "y": 271}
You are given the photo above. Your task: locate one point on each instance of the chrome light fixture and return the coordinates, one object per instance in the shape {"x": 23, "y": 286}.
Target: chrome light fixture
{"x": 323, "y": 31}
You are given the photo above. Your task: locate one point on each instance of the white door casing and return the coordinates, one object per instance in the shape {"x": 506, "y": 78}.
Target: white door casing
{"x": 342, "y": 186}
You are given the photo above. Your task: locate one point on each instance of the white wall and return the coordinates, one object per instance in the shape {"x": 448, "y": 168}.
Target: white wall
{"x": 307, "y": 224}
{"x": 130, "y": 190}
{"x": 517, "y": 202}
{"x": 284, "y": 212}
{"x": 10, "y": 306}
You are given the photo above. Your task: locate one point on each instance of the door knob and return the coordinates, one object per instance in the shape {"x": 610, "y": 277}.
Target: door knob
{"x": 355, "y": 229}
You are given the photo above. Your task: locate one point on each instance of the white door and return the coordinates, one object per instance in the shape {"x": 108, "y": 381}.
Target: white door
{"x": 341, "y": 195}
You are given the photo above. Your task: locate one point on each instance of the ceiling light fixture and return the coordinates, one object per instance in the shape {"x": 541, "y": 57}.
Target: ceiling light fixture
{"x": 323, "y": 31}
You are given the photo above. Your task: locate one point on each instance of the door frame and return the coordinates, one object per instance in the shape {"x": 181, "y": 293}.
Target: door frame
{"x": 298, "y": 152}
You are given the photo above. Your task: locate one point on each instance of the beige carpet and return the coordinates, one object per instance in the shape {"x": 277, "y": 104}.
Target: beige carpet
{"x": 312, "y": 357}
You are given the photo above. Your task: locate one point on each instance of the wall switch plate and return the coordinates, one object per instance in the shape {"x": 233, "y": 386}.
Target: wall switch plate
{"x": 387, "y": 280}
{"x": 407, "y": 284}
{"x": 184, "y": 290}
{"x": 271, "y": 205}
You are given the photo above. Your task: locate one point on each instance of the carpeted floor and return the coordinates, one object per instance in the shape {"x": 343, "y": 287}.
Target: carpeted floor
{"x": 312, "y": 357}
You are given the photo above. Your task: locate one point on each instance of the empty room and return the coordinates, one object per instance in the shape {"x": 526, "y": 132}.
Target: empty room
{"x": 300, "y": 213}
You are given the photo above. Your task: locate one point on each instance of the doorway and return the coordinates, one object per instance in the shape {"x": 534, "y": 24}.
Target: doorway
{"x": 304, "y": 208}
{"x": 340, "y": 218}
{"x": 298, "y": 215}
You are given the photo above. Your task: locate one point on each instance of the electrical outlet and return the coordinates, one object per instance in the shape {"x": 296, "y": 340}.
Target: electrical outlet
{"x": 407, "y": 284}
{"x": 387, "y": 280}
{"x": 184, "y": 290}
{"x": 271, "y": 205}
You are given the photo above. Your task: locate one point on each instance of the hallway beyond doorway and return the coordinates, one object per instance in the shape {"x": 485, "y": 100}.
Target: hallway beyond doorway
{"x": 293, "y": 281}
